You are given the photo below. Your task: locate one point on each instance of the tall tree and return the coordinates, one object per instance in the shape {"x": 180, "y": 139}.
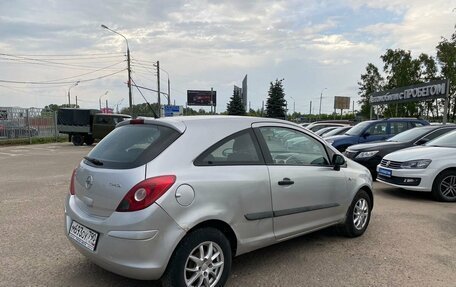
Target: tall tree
{"x": 141, "y": 110}
{"x": 276, "y": 104}
{"x": 235, "y": 106}
{"x": 401, "y": 70}
{"x": 371, "y": 82}
{"x": 446, "y": 56}
{"x": 428, "y": 72}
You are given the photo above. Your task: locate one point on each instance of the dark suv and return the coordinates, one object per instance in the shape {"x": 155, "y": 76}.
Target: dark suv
{"x": 375, "y": 130}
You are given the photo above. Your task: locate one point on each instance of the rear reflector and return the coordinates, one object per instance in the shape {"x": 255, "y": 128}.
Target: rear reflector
{"x": 145, "y": 193}
{"x": 73, "y": 175}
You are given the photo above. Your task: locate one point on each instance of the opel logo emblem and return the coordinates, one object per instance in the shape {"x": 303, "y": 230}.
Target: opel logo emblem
{"x": 89, "y": 182}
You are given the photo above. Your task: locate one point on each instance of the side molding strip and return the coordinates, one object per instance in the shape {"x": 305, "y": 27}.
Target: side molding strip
{"x": 284, "y": 212}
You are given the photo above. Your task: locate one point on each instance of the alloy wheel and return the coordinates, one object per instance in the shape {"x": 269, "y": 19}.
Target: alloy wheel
{"x": 448, "y": 187}
{"x": 360, "y": 213}
{"x": 204, "y": 265}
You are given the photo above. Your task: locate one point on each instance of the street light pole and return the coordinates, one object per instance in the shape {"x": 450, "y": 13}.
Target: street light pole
{"x": 169, "y": 86}
{"x": 74, "y": 85}
{"x": 294, "y": 104}
{"x": 321, "y": 97}
{"x": 130, "y": 98}
{"x": 117, "y": 105}
{"x": 158, "y": 88}
{"x": 99, "y": 99}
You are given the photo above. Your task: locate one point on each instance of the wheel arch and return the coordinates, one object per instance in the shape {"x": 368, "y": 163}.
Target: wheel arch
{"x": 370, "y": 193}
{"x": 449, "y": 168}
{"x": 223, "y": 227}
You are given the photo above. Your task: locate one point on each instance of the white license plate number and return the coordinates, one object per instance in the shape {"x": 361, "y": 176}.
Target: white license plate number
{"x": 385, "y": 172}
{"x": 83, "y": 235}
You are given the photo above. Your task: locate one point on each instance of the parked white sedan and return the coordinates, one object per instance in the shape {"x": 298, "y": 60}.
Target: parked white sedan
{"x": 428, "y": 168}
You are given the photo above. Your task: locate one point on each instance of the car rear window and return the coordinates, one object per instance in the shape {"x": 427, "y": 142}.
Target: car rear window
{"x": 131, "y": 146}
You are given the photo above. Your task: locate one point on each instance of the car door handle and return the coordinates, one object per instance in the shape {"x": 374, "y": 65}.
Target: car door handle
{"x": 286, "y": 181}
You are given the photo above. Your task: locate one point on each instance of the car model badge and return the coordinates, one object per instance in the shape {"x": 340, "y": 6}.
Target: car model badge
{"x": 89, "y": 182}
{"x": 388, "y": 163}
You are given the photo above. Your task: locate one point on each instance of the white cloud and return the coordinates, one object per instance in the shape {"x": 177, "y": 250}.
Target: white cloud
{"x": 205, "y": 44}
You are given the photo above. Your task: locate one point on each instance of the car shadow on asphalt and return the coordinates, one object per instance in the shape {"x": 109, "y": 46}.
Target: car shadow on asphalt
{"x": 87, "y": 272}
{"x": 399, "y": 193}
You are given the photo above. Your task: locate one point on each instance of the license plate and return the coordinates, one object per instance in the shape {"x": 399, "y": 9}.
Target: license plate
{"x": 384, "y": 172}
{"x": 83, "y": 235}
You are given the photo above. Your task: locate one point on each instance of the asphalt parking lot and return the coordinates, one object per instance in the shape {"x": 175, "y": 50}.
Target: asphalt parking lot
{"x": 411, "y": 239}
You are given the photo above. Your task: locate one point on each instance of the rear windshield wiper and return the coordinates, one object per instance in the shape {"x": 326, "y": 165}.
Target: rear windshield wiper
{"x": 93, "y": 160}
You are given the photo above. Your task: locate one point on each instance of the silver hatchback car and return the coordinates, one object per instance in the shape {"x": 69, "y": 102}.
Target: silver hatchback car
{"x": 177, "y": 198}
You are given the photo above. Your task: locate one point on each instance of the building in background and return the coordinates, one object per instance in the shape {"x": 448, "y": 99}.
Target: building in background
{"x": 242, "y": 92}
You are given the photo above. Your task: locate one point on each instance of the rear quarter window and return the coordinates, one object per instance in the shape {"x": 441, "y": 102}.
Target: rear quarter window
{"x": 131, "y": 146}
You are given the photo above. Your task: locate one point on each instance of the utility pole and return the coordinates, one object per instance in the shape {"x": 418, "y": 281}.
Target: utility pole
{"x": 169, "y": 93}
{"x": 321, "y": 97}
{"x": 76, "y": 102}
{"x": 158, "y": 88}
{"x": 212, "y": 101}
{"x": 130, "y": 97}
{"x": 69, "y": 104}
{"x": 310, "y": 110}
{"x": 106, "y": 105}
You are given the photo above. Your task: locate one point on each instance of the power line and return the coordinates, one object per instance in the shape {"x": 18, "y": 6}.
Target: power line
{"x": 44, "y": 61}
{"x": 146, "y": 66}
{"x": 144, "y": 61}
{"x": 88, "y": 73}
{"x": 71, "y": 55}
{"x": 80, "y": 58}
{"x": 70, "y": 82}
{"x": 150, "y": 107}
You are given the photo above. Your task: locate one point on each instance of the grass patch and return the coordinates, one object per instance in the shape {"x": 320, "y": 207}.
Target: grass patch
{"x": 35, "y": 140}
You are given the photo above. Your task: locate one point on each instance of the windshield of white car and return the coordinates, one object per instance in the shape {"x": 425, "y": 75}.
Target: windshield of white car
{"x": 358, "y": 129}
{"x": 447, "y": 140}
{"x": 409, "y": 135}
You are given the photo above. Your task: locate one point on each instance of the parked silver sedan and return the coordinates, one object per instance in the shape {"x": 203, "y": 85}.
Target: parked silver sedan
{"x": 177, "y": 198}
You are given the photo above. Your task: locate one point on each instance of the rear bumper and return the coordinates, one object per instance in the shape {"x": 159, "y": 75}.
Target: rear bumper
{"x": 132, "y": 244}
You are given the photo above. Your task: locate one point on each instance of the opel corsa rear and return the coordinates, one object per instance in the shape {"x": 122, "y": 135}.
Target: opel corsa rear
{"x": 177, "y": 198}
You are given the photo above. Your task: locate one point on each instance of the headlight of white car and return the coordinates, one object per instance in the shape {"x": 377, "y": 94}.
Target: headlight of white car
{"x": 416, "y": 164}
{"x": 367, "y": 154}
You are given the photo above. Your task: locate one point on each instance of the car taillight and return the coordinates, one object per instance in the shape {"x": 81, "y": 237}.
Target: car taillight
{"x": 73, "y": 175}
{"x": 137, "y": 122}
{"x": 145, "y": 193}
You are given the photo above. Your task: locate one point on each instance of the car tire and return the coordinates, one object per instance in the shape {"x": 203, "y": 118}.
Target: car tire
{"x": 444, "y": 186}
{"x": 88, "y": 140}
{"x": 77, "y": 140}
{"x": 182, "y": 269}
{"x": 358, "y": 215}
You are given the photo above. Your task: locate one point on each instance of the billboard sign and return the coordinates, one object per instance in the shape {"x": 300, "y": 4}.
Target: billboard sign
{"x": 419, "y": 92}
{"x": 341, "y": 103}
{"x": 201, "y": 98}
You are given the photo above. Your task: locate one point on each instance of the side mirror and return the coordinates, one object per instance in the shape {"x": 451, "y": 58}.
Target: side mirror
{"x": 422, "y": 141}
{"x": 337, "y": 161}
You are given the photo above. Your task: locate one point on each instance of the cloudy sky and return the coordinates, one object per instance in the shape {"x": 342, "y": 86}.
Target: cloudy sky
{"x": 46, "y": 46}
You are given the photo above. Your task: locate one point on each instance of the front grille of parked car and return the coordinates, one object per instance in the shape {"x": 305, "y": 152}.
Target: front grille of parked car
{"x": 391, "y": 164}
{"x": 350, "y": 154}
